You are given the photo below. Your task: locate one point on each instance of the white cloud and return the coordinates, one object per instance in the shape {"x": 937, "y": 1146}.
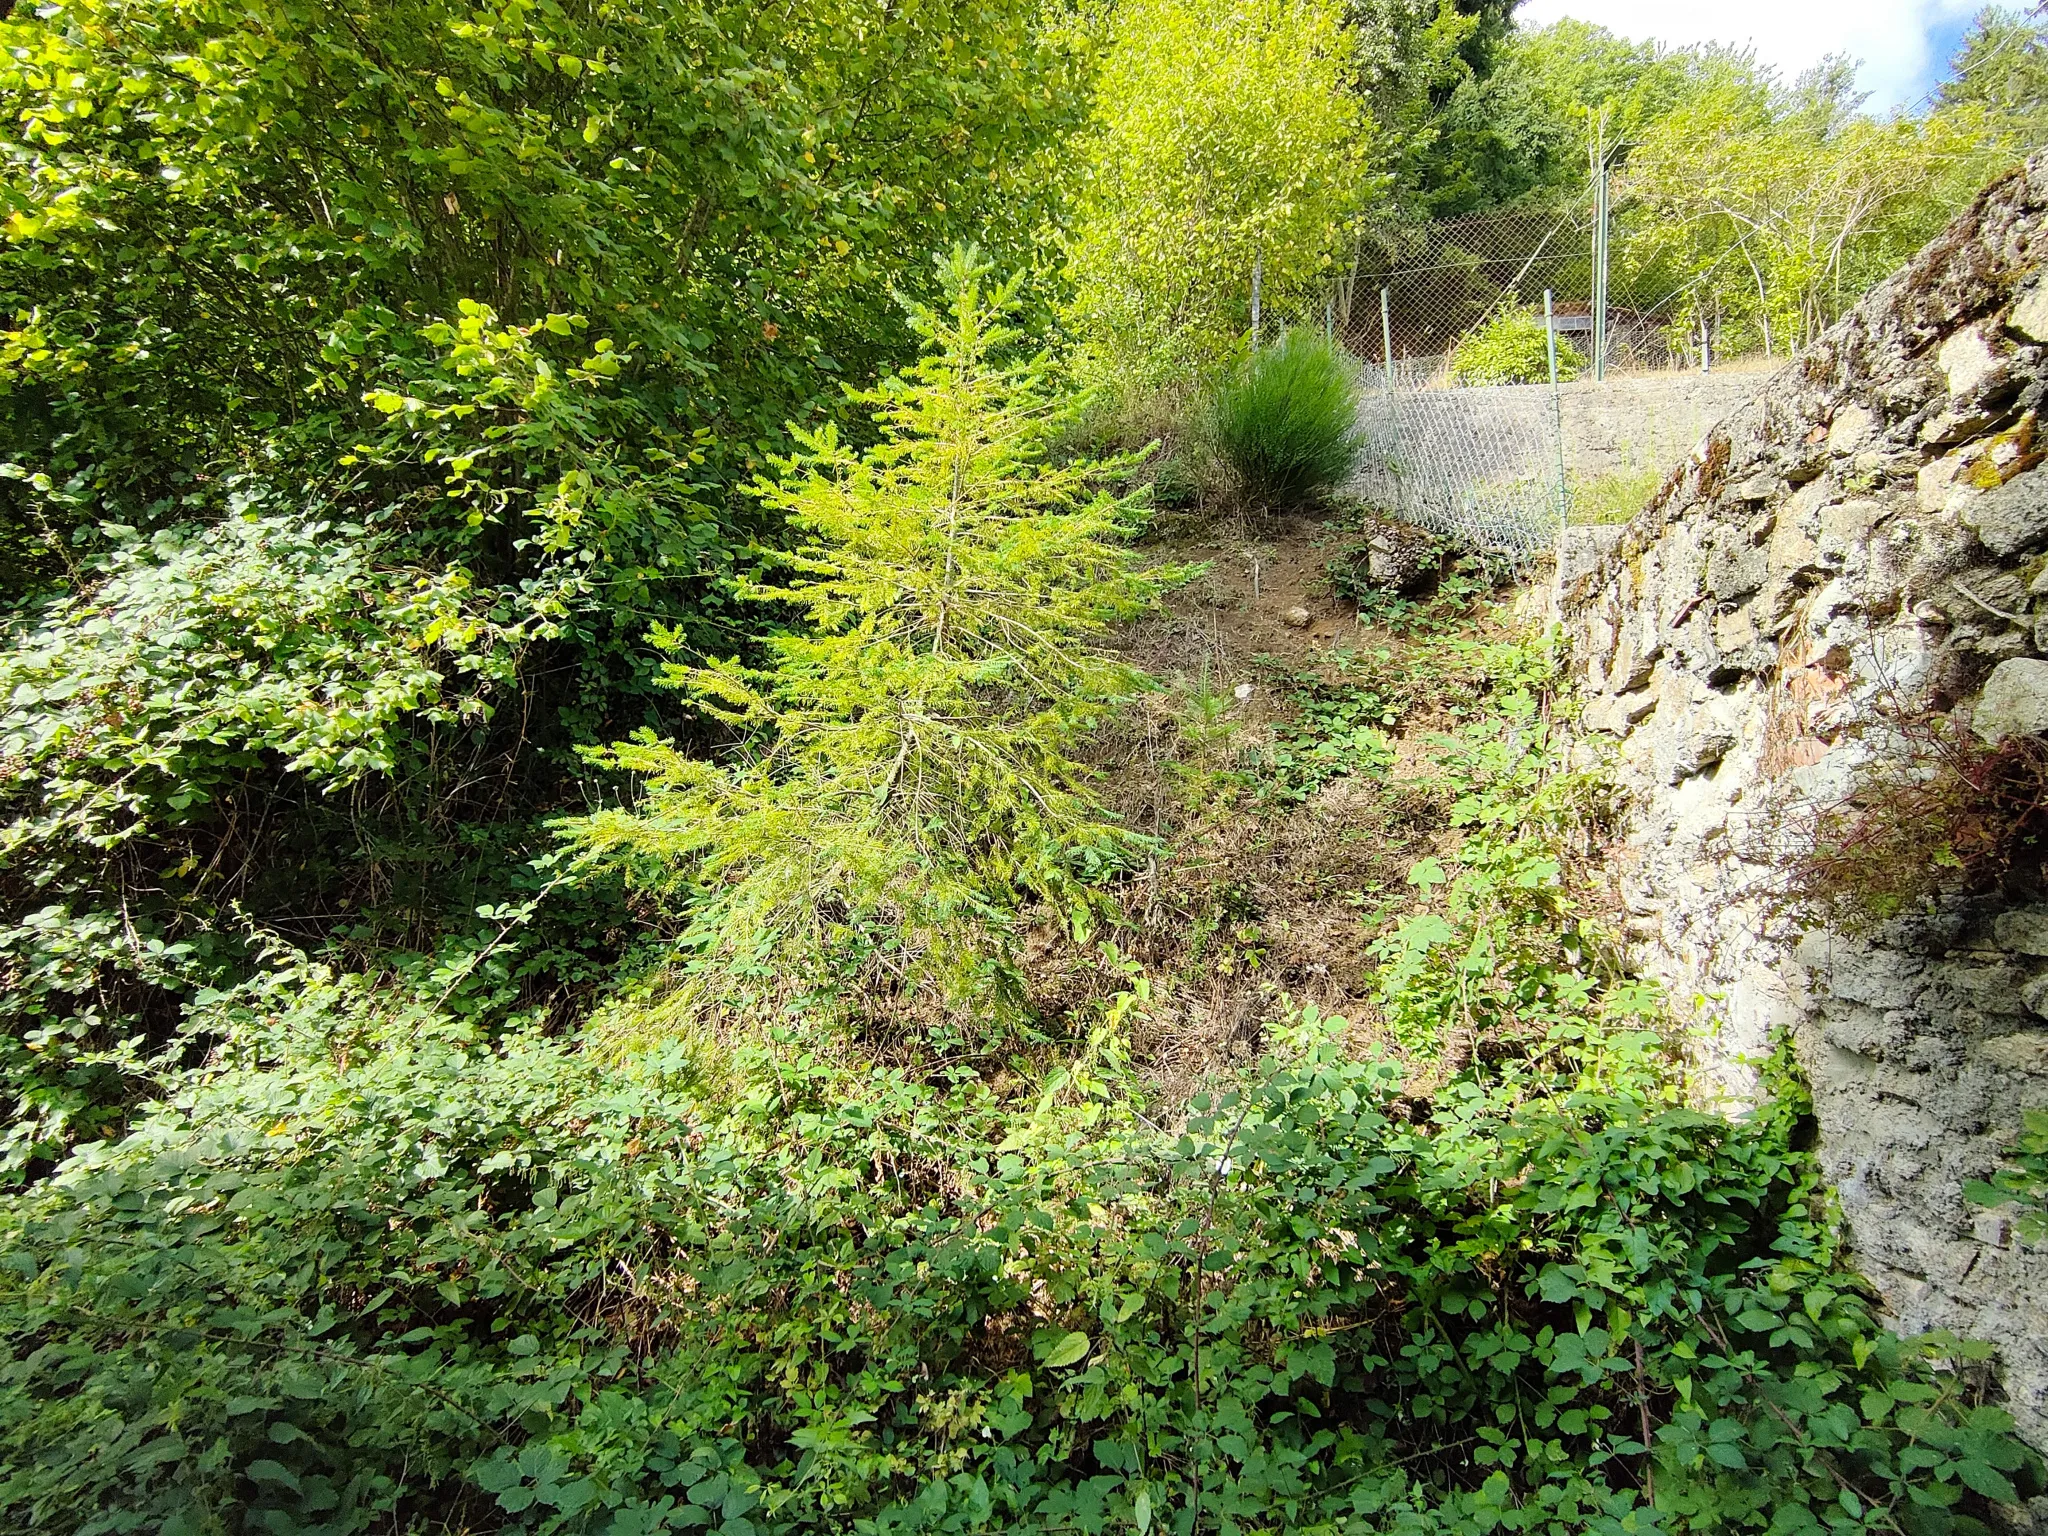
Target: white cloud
{"x": 1903, "y": 44}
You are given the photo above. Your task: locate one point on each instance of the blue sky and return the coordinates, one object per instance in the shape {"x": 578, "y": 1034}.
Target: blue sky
{"x": 1904, "y": 45}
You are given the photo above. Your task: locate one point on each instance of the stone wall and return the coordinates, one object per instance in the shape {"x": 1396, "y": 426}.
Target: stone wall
{"x": 1863, "y": 544}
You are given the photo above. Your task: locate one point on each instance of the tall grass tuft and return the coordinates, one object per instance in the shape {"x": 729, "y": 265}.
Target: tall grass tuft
{"x": 1286, "y": 420}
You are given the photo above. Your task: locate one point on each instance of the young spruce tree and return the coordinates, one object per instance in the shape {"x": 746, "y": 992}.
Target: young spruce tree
{"x": 905, "y": 779}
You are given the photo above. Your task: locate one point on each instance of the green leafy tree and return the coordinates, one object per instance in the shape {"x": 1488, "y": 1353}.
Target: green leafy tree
{"x": 1427, "y": 69}
{"x": 1225, "y": 139}
{"x": 906, "y": 756}
{"x": 371, "y": 375}
{"x": 202, "y": 195}
{"x": 2002, "y": 68}
{"x": 1779, "y": 206}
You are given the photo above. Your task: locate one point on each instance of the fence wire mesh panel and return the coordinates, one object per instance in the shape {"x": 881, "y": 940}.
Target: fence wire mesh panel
{"x": 1479, "y": 466}
{"x": 1459, "y": 328}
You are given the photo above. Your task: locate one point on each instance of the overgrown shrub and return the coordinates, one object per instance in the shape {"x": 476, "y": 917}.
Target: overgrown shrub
{"x": 1511, "y": 347}
{"x": 373, "y": 1271}
{"x": 369, "y": 1269}
{"x": 1286, "y": 419}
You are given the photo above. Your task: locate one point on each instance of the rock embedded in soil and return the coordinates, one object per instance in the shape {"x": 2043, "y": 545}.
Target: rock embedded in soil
{"x": 1400, "y": 557}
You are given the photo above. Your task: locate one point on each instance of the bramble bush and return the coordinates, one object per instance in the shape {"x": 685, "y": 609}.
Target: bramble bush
{"x": 388, "y": 1272}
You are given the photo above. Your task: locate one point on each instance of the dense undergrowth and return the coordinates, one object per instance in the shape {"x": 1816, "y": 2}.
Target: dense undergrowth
{"x": 371, "y": 1269}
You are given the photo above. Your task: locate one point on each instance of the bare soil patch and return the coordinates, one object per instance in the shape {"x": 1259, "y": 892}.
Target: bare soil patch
{"x": 1257, "y": 898}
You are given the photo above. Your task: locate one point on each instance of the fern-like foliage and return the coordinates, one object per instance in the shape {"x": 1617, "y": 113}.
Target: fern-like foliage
{"x": 906, "y": 759}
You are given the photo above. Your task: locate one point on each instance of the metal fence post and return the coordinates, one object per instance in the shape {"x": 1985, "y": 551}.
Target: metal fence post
{"x": 1258, "y": 271}
{"x": 1600, "y": 248}
{"x": 1564, "y": 499}
{"x": 1386, "y": 341}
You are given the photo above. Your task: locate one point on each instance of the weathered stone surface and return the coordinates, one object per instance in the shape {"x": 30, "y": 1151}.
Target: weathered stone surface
{"x": 1736, "y": 568}
{"x": 1969, "y": 362}
{"x": 2029, "y": 317}
{"x": 2012, "y": 517}
{"x": 2023, "y": 930}
{"x": 1793, "y": 600}
{"x": 1401, "y": 557}
{"x": 1851, "y": 428}
{"x": 1849, "y": 523}
{"x": 2014, "y": 702}
{"x": 1616, "y": 713}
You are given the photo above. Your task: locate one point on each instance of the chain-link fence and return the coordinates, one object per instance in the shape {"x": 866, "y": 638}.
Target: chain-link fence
{"x": 1483, "y": 467}
{"x": 1496, "y": 405}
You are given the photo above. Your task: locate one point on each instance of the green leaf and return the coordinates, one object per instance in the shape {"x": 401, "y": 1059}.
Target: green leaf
{"x": 266, "y": 1471}
{"x": 1981, "y": 1477}
{"x": 1067, "y": 1351}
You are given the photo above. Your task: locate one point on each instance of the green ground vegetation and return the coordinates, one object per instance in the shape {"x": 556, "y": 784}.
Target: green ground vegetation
{"x": 369, "y": 1268}
{"x": 617, "y": 834}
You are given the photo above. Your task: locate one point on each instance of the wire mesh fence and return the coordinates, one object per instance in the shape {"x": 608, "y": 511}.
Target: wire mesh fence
{"x": 1482, "y": 467}
{"x": 1478, "y": 344}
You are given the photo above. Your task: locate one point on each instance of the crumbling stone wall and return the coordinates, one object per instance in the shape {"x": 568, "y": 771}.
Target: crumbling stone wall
{"x": 1866, "y": 539}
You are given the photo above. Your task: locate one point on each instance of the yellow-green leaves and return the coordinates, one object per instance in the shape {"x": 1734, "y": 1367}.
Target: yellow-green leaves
{"x": 907, "y": 767}
{"x": 1224, "y": 136}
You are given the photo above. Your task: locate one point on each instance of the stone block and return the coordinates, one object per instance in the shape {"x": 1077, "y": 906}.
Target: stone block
{"x": 2029, "y": 317}
{"x": 2023, "y": 931}
{"x": 1631, "y": 665}
{"x": 1850, "y": 429}
{"x": 2011, "y": 517}
{"x": 1618, "y": 713}
{"x": 2027, "y": 1053}
{"x": 1792, "y": 552}
{"x": 1851, "y": 522}
{"x": 1937, "y": 477}
{"x": 1736, "y": 631}
{"x": 1736, "y": 569}
{"x": 1992, "y": 1228}
{"x": 2014, "y": 702}
{"x": 1968, "y": 363}
{"x": 1698, "y": 748}
{"x": 1956, "y": 425}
